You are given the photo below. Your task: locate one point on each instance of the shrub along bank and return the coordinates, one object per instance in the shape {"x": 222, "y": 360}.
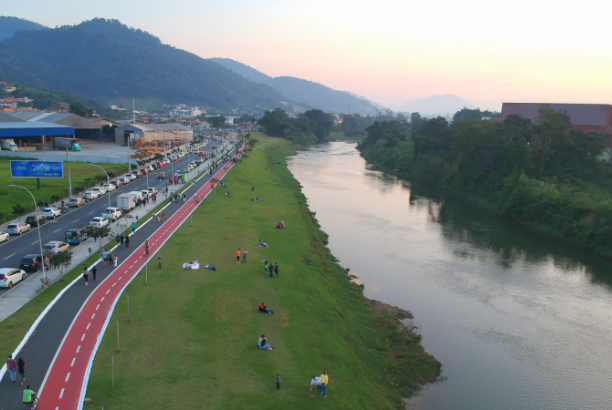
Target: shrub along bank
{"x": 191, "y": 341}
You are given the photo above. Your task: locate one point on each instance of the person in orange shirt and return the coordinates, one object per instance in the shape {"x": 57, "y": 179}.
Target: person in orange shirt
{"x": 238, "y": 256}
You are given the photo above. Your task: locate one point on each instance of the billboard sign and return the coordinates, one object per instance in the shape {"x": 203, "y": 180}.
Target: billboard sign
{"x": 37, "y": 169}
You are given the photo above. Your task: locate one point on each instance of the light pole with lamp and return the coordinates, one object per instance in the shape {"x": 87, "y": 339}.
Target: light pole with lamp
{"x": 107, "y": 182}
{"x": 42, "y": 257}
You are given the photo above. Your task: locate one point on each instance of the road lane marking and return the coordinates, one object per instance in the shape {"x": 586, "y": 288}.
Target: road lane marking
{"x": 120, "y": 277}
{"x": 62, "y": 393}
{"x": 9, "y": 256}
{"x": 83, "y": 337}
{"x": 131, "y": 266}
{"x": 107, "y": 292}
{"x": 57, "y": 230}
{"x": 87, "y": 328}
{"x": 97, "y": 307}
{"x": 91, "y": 212}
{"x": 73, "y": 360}
{"x": 67, "y": 376}
{"x": 102, "y": 300}
{"x": 34, "y": 243}
{"x": 92, "y": 316}
{"x": 78, "y": 348}
{"x": 76, "y": 220}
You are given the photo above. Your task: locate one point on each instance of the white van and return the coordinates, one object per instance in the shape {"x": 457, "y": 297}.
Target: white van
{"x": 137, "y": 194}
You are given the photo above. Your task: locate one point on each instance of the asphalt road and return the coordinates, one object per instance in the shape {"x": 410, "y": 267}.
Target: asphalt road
{"x": 17, "y": 247}
{"x": 40, "y": 349}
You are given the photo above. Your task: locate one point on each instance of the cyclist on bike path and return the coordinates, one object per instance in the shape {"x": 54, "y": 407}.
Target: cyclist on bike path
{"x": 27, "y": 397}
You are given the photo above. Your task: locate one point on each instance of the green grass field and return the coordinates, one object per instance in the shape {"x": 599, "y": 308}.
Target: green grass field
{"x": 191, "y": 341}
{"x": 80, "y": 172}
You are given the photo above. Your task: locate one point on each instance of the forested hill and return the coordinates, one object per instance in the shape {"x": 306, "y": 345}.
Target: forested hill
{"x": 10, "y": 25}
{"x": 105, "y": 60}
{"x": 308, "y": 93}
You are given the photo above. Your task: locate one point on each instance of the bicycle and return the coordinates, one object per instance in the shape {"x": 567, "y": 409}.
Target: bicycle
{"x": 44, "y": 282}
{"x": 34, "y": 402}
{"x": 146, "y": 250}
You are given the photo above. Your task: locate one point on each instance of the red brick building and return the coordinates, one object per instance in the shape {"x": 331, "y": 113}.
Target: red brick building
{"x": 584, "y": 117}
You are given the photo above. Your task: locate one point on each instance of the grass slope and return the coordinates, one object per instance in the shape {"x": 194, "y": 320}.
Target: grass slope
{"x": 79, "y": 172}
{"x": 192, "y": 338}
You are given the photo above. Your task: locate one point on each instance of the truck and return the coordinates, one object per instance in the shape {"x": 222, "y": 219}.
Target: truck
{"x": 8, "y": 145}
{"x": 66, "y": 143}
{"x": 126, "y": 202}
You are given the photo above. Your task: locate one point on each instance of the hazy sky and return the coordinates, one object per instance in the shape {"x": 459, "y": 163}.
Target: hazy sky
{"x": 388, "y": 51}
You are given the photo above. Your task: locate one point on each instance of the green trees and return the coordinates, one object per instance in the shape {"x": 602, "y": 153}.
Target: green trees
{"x": 62, "y": 260}
{"x": 79, "y": 109}
{"x": 216, "y": 122}
{"x": 306, "y": 128}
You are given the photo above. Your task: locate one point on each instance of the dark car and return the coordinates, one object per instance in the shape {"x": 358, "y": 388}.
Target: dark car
{"x": 30, "y": 263}
{"x": 75, "y": 236}
{"x": 36, "y": 220}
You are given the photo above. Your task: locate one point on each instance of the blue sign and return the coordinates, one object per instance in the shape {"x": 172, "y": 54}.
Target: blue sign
{"x": 37, "y": 169}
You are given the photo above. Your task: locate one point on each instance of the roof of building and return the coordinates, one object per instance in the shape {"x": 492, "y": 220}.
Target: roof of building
{"x": 71, "y": 120}
{"x": 153, "y": 127}
{"x": 33, "y": 129}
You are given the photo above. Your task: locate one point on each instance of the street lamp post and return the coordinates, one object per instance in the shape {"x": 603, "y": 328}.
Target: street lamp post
{"x": 42, "y": 257}
{"x": 107, "y": 182}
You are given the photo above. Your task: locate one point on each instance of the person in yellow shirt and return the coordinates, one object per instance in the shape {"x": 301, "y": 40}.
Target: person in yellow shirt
{"x": 238, "y": 256}
{"x": 323, "y": 384}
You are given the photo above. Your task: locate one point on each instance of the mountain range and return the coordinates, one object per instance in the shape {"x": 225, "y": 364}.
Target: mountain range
{"x": 436, "y": 105}
{"x": 10, "y": 25}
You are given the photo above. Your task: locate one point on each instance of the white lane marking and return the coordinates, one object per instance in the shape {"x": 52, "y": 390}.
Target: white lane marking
{"x": 91, "y": 212}
{"x": 67, "y": 376}
{"x": 62, "y": 393}
{"x": 57, "y": 230}
{"x": 9, "y": 256}
{"x": 108, "y": 291}
{"x": 120, "y": 277}
{"x": 83, "y": 337}
{"x": 102, "y": 300}
{"x": 73, "y": 360}
{"x": 98, "y": 307}
{"x": 114, "y": 285}
{"x": 57, "y": 408}
{"x": 76, "y": 220}
{"x": 92, "y": 316}
{"x": 87, "y": 328}
{"x": 131, "y": 266}
{"x": 78, "y": 348}
{"x": 34, "y": 243}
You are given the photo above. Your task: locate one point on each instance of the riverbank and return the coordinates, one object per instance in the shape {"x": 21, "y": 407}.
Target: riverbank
{"x": 190, "y": 329}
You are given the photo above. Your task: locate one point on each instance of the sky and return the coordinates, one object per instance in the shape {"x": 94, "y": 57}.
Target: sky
{"x": 388, "y": 51}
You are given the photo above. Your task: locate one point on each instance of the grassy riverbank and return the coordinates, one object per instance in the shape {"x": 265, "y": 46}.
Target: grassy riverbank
{"x": 191, "y": 341}
{"x": 81, "y": 174}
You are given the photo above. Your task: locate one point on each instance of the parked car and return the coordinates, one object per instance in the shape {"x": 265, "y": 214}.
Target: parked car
{"x": 116, "y": 183}
{"x": 112, "y": 213}
{"x": 51, "y": 212}
{"x": 30, "y": 263}
{"x": 130, "y": 177}
{"x": 4, "y": 237}
{"x": 76, "y": 202}
{"x": 144, "y": 193}
{"x": 161, "y": 175}
{"x": 153, "y": 190}
{"x": 100, "y": 190}
{"x": 90, "y": 195}
{"x": 36, "y": 220}
{"x": 109, "y": 187}
{"x": 75, "y": 236}
{"x": 123, "y": 180}
{"x": 99, "y": 222}
{"x": 17, "y": 228}
{"x": 49, "y": 247}
{"x": 136, "y": 173}
{"x": 9, "y": 277}
{"x": 144, "y": 171}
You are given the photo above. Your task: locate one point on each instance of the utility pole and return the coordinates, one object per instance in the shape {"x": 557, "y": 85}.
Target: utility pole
{"x": 69, "y": 179}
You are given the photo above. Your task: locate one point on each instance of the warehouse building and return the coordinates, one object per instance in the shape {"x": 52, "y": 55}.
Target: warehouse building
{"x": 33, "y": 132}
{"x": 584, "y": 117}
{"x": 83, "y": 128}
{"x": 147, "y": 133}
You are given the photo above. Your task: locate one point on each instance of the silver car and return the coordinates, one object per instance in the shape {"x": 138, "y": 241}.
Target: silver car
{"x": 9, "y": 277}
{"x": 17, "y": 228}
{"x": 4, "y": 237}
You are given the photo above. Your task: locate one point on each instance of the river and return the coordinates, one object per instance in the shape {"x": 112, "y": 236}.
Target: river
{"x": 518, "y": 321}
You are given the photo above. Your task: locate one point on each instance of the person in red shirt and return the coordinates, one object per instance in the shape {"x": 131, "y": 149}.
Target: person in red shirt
{"x": 11, "y": 365}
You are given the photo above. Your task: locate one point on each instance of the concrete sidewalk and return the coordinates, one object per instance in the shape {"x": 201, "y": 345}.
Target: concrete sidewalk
{"x": 14, "y": 299}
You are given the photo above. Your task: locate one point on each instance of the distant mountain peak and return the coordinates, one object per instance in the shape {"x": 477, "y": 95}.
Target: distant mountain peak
{"x": 10, "y": 25}
{"x": 436, "y": 105}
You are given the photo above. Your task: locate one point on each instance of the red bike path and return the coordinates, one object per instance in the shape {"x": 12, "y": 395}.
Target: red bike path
{"x": 66, "y": 377}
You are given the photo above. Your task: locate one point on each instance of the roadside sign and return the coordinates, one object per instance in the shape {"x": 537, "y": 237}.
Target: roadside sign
{"x": 37, "y": 169}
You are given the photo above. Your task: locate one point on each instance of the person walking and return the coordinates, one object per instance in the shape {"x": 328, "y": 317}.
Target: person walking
{"x": 238, "y": 256}
{"x": 127, "y": 241}
{"x": 122, "y": 240}
{"x": 85, "y": 275}
{"x": 118, "y": 239}
{"x": 245, "y": 253}
{"x": 94, "y": 272}
{"x": 11, "y": 365}
{"x": 115, "y": 260}
{"x": 21, "y": 369}
{"x": 133, "y": 226}
{"x": 278, "y": 381}
{"x": 276, "y": 269}
{"x": 323, "y": 384}
{"x": 104, "y": 258}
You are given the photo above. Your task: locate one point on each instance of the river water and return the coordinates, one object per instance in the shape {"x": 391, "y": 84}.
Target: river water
{"x": 517, "y": 320}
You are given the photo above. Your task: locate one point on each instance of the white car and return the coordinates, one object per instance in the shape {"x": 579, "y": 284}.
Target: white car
{"x": 99, "y": 222}
{"x": 91, "y": 195}
{"x": 153, "y": 190}
{"x": 130, "y": 177}
{"x": 112, "y": 213}
{"x": 99, "y": 190}
{"x": 4, "y": 237}
{"x": 144, "y": 193}
{"x": 17, "y": 228}
{"x": 9, "y": 277}
{"x": 51, "y": 212}
{"x": 109, "y": 187}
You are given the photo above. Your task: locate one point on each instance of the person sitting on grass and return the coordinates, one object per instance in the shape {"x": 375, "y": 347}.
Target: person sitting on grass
{"x": 263, "y": 343}
{"x": 278, "y": 226}
{"x": 263, "y": 308}
{"x": 228, "y": 194}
